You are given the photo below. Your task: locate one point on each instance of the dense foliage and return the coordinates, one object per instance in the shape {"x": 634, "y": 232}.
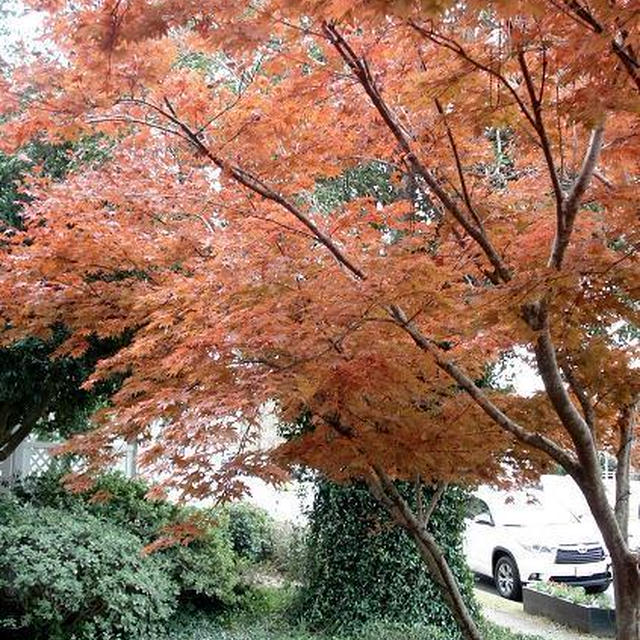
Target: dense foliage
{"x": 362, "y": 567}
{"x": 120, "y": 500}
{"x": 271, "y": 621}
{"x": 40, "y": 390}
{"x": 72, "y": 575}
{"x": 251, "y": 532}
{"x": 202, "y": 571}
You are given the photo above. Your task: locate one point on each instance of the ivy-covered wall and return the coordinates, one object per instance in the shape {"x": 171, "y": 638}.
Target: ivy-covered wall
{"x": 362, "y": 567}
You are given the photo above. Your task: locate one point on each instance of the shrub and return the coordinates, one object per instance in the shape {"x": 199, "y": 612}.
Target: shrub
{"x": 289, "y": 555}
{"x": 76, "y": 576}
{"x": 115, "y": 497}
{"x": 251, "y": 531}
{"x": 204, "y": 570}
{"x": 361, "y": 568}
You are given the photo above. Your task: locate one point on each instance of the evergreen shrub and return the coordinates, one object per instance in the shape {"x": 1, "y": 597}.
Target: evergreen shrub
{"x": 362, "y": 568}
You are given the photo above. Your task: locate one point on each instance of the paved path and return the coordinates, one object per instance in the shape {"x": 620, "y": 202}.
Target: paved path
{"x": 510, "y": 614}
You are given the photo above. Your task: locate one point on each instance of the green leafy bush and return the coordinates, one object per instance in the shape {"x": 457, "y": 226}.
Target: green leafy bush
{"x": 251, "y": 531}
{"x": 361, "y": 568}
{"x": 115, "y": 497}
{"x": 76, "y": 576}
{"x": 204, "y": 570}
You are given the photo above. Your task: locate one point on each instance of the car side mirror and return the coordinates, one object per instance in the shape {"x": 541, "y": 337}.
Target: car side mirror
{"x": 483, "y": 518}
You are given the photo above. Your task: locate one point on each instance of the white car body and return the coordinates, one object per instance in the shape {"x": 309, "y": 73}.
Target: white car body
{"x": 545, "y": 542}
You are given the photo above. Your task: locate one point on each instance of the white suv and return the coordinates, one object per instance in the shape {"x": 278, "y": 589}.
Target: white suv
{"x": 516, "y": 538}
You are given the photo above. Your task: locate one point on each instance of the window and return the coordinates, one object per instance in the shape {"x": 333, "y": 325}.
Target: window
{"x": 477, "y": 508}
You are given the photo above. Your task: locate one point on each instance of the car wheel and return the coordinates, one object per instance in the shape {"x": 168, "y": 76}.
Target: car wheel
{"x": 601, "y": 588}
{"x": 507, "y": 578}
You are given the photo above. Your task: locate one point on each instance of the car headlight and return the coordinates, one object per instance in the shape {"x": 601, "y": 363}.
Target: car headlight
{"x": 538, "y": 548}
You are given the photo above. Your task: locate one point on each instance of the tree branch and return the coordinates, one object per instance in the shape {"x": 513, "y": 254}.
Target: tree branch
{"x": 626, "y": 427}
{"x": 433, "y": 503}
{"x": 536, "y": 316}
{"x": 580, "y": 392}
{"x": 450, "y": 44}
{"x": 256, "y": 185}
{"x": 562, "y": 456}
{"x": 542, "y": 134}
{"x": 625, "y": 54}
{"x": 456, "y": 155}
{"x": 361, "y": 71}
{"x": 21, "y": 430}
{"x": 571, "y": 204}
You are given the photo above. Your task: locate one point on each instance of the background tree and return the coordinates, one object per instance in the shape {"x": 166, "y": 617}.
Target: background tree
{"x": 374, "y": 316}
{"x": 40, "y": 390}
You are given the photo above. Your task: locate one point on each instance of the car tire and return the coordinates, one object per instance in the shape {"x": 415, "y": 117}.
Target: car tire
{"x": 507, "y": 578}
{"x": 601, "y": 588}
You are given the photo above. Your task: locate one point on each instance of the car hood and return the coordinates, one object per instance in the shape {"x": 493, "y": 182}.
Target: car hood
{"x": 555, "y": 534}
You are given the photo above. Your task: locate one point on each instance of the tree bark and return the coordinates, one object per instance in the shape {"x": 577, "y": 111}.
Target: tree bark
{"x": 626, "y": 586}
{"x": 15, "y": 432}
{"x": 624, "y": 563}
{"x": 626, "y": 424}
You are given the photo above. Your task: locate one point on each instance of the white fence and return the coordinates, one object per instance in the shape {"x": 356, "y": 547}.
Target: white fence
{"x": 33, "y": 457}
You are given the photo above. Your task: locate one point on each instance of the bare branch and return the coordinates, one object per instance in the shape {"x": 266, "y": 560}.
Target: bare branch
{"x": 456, "y": 155}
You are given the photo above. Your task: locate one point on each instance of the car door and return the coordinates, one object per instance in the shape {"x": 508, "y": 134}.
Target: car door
{"x": 479, "y": 536}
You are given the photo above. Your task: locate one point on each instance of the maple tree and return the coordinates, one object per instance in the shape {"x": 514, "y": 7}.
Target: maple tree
{"x": 508, "y": 134}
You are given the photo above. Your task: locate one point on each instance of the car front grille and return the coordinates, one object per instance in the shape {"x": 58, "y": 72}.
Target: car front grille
{"x": 580, "y": 555}
{"x": 596, "y": 577}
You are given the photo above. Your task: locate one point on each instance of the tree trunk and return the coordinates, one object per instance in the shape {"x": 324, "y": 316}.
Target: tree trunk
{"x": 439, "y": 570}
{"x": 626, "y": 586}
{"x": 624, "y": 563}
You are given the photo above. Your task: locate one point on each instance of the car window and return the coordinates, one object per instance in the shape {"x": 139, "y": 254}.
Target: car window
{"x": 476, "y": 508}
{"x": 524, "y": 508}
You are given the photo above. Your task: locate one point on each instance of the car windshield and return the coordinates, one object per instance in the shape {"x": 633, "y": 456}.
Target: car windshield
{"x": 519, "y": 510}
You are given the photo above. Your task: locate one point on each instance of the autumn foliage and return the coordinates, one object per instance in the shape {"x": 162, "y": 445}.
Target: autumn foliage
{"x": 510, "y": 133}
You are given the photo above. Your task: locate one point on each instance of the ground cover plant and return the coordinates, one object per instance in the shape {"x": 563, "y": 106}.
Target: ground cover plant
{"x": 508, "y": 132}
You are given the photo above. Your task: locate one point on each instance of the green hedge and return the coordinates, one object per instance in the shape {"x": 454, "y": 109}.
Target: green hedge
{"x": 362, "y": 568}
{"x": 204, "y": 570}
